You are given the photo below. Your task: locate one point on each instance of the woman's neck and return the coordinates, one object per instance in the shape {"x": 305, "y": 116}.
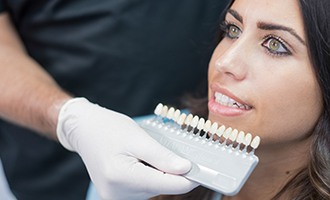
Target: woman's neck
{"x": 276, "y": 167}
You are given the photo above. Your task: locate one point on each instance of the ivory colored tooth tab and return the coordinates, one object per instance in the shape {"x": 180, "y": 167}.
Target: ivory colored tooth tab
{"x": 201, "y": 123}
{"x": 176, "y": 115}
{"x": 158, "y": 109}
{"x": 233, "y": 135}
{"x": 240, "y": 137}
{"x": 170, "y": 113}
{"x": 188, "y": 119}
{"x": 182, "y": 118}
{"x": 164, "y": 111}
{"x": 247, "y": 139}
{"x": 255, "y": 142}
{"x": 194, "y": 121}
{"x": 220, "y": 131}
{"x": 207, "y": 126}
{"x": 227, "y": 132}
{"x": 214, "y": 128}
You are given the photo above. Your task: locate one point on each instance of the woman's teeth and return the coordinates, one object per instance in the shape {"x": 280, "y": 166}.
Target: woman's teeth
{"x": 226, "y": 101}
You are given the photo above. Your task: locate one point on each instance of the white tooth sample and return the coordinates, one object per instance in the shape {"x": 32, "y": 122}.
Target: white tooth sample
{"x": 201, "y": 123}
{"x": 170, "y": 113}
{"x": 158, "y": 109}
{"x": 207, "y": 126}
{"x": 182, "y": 119}
{"x": 227, "y": 133}
{"x": 164, "y": 111}
{"x": 255, "y": 142}
{"x": 220, "y": 131}
{"x": 194, "y": 121}
{"x": 247, "y": 139}
{"x": 240, "y": 137}
{"x": 233, "y": 135}
{"x": 214, "y": 128}
{"x": 188, "y": 119}
{"x": 176, "y": 115}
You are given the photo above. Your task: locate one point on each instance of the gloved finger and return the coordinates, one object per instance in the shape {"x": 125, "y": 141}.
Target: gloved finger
{"x": 161, "y": 158}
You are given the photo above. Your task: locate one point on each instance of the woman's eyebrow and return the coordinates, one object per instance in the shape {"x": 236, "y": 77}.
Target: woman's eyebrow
{"x": 267, "y": 26}
{"x": 236, "y": 15}
{"x": 270, "y": 26}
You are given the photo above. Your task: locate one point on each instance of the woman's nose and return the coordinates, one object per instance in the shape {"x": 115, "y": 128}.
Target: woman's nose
{"x": 232, "y": 63}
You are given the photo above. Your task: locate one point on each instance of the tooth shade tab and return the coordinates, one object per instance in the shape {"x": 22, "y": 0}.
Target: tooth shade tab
{"x": 170, "y": 113}
{"x": 194, "y": 121}
{"x": 214, "y": 128}
{"x": 176, "y": 115}
{"x": 227, "y": 133}
{"x": 240, "y": 137}
{"x": 188, "y": 119}
{"x": 201, "y": 123}
{"x": 164, "y": 111}
{"x": 255, "y": 142}
{"x": 220, "y": 131}
{"x": 207, "y": 126}
{"x": 182, "y": 119}
{"x": 158, "y": 109}
{"x": 247, "y": 139}
{"x": 233, "y": 135}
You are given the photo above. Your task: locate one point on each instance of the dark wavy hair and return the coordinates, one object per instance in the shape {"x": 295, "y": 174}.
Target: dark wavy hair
{"x": 313, "y": 181}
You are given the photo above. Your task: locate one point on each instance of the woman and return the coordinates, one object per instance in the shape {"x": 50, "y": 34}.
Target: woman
{"x": 270, "y": 75}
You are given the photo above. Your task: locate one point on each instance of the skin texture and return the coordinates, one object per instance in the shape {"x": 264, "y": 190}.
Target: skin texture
{"x": 270, "y": 71}
{"x": 29, "y": 96}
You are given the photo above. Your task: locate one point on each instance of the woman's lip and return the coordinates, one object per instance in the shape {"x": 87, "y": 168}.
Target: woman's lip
{"x": 215, "y": 88}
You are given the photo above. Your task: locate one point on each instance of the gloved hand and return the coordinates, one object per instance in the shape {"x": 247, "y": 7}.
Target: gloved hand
{"x": 113, "y": 146}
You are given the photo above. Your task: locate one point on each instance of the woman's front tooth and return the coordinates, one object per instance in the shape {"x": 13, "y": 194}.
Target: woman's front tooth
{"x": 224, "y": 99}
{"x": 231, "y": 102}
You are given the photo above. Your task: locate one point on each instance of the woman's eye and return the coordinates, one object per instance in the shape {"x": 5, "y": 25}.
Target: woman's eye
{"x": 233, "y": 31}
{"x": 275, "y": 46}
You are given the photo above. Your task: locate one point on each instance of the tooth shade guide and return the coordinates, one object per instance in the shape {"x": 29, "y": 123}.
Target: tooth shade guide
{"x": 206, "y": 155}
{"x": 206, "y": 129}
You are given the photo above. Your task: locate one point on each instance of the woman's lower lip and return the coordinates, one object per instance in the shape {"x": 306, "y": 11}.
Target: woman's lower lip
{"x": 218, "y": 109}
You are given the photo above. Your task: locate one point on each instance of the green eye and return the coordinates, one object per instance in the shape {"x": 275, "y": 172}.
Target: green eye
{"x": 233, "y": 31}
{"x": 275, "y": 46}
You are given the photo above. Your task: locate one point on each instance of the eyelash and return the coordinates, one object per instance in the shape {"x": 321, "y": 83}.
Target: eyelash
{"x": 225, "y": 26}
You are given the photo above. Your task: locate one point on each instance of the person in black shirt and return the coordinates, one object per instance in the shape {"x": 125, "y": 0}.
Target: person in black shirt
{"x": 123, "y": 55}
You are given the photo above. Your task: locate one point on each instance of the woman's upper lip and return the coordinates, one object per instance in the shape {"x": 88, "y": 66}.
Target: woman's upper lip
{"x": 216, "y": 88}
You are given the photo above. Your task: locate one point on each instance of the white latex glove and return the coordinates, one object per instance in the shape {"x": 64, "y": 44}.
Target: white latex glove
{"x": 112, "y": 147}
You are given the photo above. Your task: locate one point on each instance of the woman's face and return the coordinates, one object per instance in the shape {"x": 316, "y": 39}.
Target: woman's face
{"x": 260, "y": 76}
